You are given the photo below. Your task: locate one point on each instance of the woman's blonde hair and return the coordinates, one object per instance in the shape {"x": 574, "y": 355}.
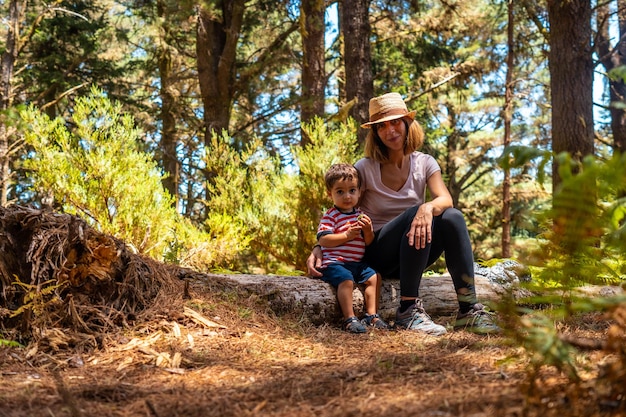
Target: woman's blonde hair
{"x": 376, "y": 149}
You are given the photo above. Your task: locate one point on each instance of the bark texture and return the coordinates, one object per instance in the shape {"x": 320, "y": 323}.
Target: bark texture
{"x": 571, "y": 79}
{"x": 359, "y": 83}
{"x": 611, "y": 57}
{"x": 216, "y": 48}
{"x": 313, "y": 71}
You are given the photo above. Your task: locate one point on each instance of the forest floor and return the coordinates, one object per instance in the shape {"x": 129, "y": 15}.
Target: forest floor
{"x": 236, "y": 358}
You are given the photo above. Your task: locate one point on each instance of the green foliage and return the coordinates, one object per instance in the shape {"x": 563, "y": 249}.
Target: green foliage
{"x": 618, "y": 73}
{"x": 93, "y": 167}
{"x": 277, "y": 209}
{"x": 71, "y": 44}
{"x": 327, "y": 147}
{"x": 584, "y": 238}
{"x": 517, "y": 156}
{"x": 539, "y": 331}
{"x": 37, "y": 296}
{"x": 542, "y": 339}
{"x": 582, "y": 243}
{"x": 10, "y": 343}
{"x": 95, "y": 171}
{"x": 213, "y": 249}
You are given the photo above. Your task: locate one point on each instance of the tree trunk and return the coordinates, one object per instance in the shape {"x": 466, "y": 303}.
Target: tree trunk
{"x": 313, "y": 71}
{"x": 507, "y": 116}
{"x": 169, "y": 140}
{"x": 612, "y": 57}
{"x": 216, "y": 48}
{"x": 316, "y": 300}
{"x": 6, "y": 78}
{"x": 359, "y": 83}
{"x": 88, "y": 281}
{"x": 453, "y": 143}
{"x": 571, "y": 79}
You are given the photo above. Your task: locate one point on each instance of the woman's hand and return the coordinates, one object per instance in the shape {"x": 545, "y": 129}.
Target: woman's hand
{"x": 420, "y": 233}
{"x": 421, "y": 227}
{"x": 314, "y": 262}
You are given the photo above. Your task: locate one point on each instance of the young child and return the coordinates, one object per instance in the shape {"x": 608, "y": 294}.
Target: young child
{"x": 343, "y": 233}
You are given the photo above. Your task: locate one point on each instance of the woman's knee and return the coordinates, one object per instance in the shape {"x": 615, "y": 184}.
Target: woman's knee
{"x": 454, "y": 216}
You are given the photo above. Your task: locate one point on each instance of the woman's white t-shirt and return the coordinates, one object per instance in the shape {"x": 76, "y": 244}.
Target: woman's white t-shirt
{"x": 380, "y": 202}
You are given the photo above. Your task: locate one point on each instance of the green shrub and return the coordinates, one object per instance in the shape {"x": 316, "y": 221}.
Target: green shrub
{"x": 93, "y": 167}
{"x": 583, "y": 243}
{"x": 583, "y": 240}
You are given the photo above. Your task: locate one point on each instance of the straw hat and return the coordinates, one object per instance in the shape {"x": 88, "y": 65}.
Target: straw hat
{"x": 387, "y": 107}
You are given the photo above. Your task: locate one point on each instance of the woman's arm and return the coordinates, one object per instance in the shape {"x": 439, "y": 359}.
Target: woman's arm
{"x": 421, "y": 228}
{"x": 441, "y": 198}
{"x": 314, "y": 262}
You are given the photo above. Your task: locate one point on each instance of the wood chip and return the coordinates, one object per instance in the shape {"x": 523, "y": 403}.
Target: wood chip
{"x": 200, "y": 319}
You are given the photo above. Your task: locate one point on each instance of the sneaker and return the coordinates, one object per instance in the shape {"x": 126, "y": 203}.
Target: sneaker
{"x": 415, "y": 318}
{"x": 353, "y": 325}
{"x": 478, "y": 320}
{"x": 375, "y": 321}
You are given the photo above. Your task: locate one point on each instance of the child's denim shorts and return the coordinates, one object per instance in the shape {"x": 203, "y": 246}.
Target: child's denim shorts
{"x": 336, "y": 273}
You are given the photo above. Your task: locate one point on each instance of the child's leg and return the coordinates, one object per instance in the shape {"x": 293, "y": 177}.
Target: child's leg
{"x": 344, "y": 296}
{"x": 371, "y": 294}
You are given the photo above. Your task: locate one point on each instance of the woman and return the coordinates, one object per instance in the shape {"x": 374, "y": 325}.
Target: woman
{"x": 411, "y": 233}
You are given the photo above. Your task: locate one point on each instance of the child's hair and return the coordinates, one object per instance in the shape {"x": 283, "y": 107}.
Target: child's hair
{"x": 338, "y": 172}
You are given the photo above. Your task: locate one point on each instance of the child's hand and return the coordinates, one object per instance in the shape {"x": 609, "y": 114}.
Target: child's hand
{"x": 364, "y": 221}
{"x": 367, "y": 228}
{"x": 354, "y": 230}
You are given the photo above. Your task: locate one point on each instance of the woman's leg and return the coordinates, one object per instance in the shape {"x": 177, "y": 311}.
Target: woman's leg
{"x": 391, "y": 255}
{"x": 450, "y": 236}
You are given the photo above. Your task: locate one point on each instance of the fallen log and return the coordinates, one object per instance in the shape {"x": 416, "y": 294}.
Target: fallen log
{"x": 316, "y": 300}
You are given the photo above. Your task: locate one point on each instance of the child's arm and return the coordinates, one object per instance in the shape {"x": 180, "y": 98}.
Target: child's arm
{"x": 332, "y": 240}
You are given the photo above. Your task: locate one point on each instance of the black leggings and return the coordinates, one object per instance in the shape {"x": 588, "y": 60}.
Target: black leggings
{"x": 391, "y": 256}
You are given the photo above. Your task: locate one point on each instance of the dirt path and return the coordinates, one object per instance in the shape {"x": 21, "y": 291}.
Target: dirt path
{"x": 245, "y": 362}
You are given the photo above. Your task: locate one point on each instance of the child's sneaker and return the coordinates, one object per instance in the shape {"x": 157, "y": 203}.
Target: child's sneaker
{"x": 415, "y": 318}
{"x": 375, "y": 321}
{"x": 353, "y": 325}
{"x": 478, "y": 320}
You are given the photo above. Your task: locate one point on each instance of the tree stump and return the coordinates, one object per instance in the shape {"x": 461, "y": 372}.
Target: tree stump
{"x": 56, "y": 270}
